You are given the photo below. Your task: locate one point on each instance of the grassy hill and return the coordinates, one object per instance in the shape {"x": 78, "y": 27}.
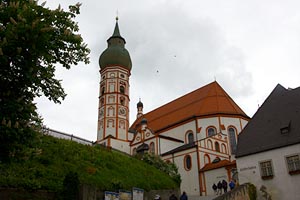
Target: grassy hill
{"x": 46, "y": 166}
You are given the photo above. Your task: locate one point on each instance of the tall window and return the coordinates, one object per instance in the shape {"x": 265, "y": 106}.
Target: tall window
{"x": 223, "y": 148}
{"x": 187, "y": 162}
{"x": 266, "y": 169}
{"x": 217, "y": 146}
{"x": 151, "y": 149}
{"x": 293, "y": 163}
{"x": 206, "y": 159}
{"x": 211, "y": 131}
{"x": 209, "y": 144}
{"x": 232, "y": 139}
{"x": 190, "y": 138}
{"x": 122, "y": 89}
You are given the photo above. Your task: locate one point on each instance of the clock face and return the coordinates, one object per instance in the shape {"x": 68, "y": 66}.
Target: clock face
{"x": 122, "y": 111}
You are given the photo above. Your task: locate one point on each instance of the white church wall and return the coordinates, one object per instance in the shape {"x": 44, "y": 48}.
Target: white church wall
{"x": 237, "y": 123}
{"x": 204, "y": 123}
{"x": 167, "y": 145}
{"x": 212, "y": 155}
{"x": 190, "y": 181}
{"x": 214, "y": 176}
{"x": 120, "y": 145}
{"x": 282, "y": 185}
{"x": 180, "y": 131}
{"x": 122, "y": 134}
{"x": 244, "y": 123}
{"x": 110, "y": 131}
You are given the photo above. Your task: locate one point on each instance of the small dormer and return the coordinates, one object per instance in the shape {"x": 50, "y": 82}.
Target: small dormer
{"x": 285, "y": 127}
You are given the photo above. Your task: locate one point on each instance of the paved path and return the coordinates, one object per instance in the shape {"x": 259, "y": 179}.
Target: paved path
{"x": 202, "y": 197}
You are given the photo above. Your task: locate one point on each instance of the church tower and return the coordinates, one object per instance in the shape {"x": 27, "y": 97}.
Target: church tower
{"x": 113, "y": 111}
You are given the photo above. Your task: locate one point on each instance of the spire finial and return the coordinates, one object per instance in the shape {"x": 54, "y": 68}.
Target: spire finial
{"x": 117, "y": 17}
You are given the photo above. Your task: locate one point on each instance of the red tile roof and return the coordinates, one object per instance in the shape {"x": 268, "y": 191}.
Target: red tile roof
{"x": 210, "y": 99}
{"x": 217, "y": 165}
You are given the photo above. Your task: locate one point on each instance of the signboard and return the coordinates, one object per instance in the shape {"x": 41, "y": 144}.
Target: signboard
{"x": 111, "y": 195}
{"x": 137, "y": 194}
{"x": 124, "y": 195}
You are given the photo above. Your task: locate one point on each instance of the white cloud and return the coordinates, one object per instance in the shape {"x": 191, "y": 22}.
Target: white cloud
{"x": 179, "y": 46}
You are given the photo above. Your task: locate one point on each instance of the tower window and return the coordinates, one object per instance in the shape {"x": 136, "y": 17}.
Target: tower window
{"x": 122, "y": 100}
{"x": 102, "y": 90}
{"x": 101, "y": 102}
{"x": 122, "y": 89}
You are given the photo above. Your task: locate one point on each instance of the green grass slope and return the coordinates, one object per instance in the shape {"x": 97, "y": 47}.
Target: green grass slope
{"x": 46, "y": 166}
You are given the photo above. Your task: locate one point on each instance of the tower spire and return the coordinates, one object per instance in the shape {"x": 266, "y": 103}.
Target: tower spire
{"x": 117, "y": 31}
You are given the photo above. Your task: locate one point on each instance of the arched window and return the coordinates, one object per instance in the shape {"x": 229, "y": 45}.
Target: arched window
{"x": 206, "y": 159}
{"x": 122, "y": 100}
{"x": 151, "y": 148}
{"x": 190, "y": 136}
{"x": 111, "y": 87}
{"x": 209, "y": 144}
{"x": 122, "y": 124}
{"x": 187, "y": 162}
{"x": 211, "y": 131}
{"x": 122, "y": 89}
{"x": 102, "y": 90}
{"x": 111, "y": 111}
{"x": 110, "y": 123}
{"x": 101, "y": 102}
{"x": 223, "y": 148}
{"x": 232, "y": 139}
{"x": 217, "y": 146}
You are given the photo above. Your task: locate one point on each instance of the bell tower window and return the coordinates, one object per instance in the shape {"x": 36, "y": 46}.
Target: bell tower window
{"x": 122, "y": 89}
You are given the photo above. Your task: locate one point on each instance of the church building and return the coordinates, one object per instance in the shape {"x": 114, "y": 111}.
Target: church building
{"x": 197, "y": 131}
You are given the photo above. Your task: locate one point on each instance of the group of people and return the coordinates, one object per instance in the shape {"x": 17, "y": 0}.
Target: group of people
{"x": 173, "y": 197}
{"x": 218, "y": 189}
{"x": 223, "y": 185}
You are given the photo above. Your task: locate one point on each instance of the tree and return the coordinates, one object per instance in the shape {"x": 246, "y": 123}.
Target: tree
{"x": 168, "y": 167}
{"x": 33, "y": 40}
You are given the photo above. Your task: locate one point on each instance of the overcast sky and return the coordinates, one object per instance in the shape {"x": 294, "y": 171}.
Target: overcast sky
{"x": 178, "y": 46}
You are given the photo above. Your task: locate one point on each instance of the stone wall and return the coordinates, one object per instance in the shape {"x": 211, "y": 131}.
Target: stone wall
{"x": 92, "y": 193}
{"x": 21, "y": 194}
{"x": 86, "y": 193}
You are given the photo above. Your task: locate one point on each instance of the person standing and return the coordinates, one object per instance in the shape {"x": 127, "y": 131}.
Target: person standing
{"x": 219, "y": 188}
{"x": 231, "y": 185}
{"x": 214, "y": 187}
{"x": 183, "y": 196}
{"x": 224, "y": 185}
{"x": 173, "y": 197}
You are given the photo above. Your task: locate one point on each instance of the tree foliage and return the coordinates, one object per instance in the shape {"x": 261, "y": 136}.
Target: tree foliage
{"x": 169, "y": 168}
{"x": 33, "y": 40}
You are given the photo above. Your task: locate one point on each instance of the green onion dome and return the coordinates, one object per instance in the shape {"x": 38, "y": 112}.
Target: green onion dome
{"x": 115, "y": 53}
